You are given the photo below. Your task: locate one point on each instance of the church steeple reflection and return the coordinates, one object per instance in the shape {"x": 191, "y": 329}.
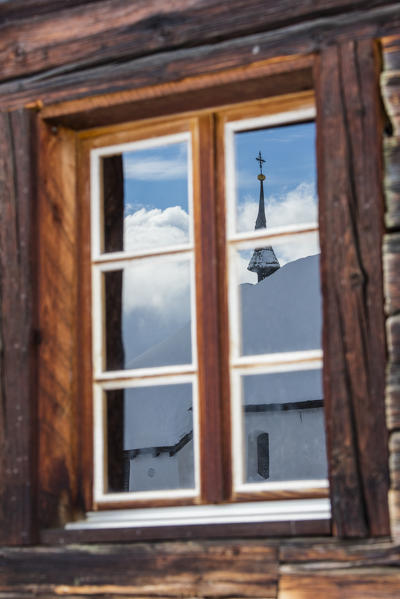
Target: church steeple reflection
{"x": 264, "y": 261}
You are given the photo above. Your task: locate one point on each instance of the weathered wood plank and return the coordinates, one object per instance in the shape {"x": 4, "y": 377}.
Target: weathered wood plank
{"x": 390, "y": 87}
{"x": 260, "y": 80}
{"x": 112, "y": 30}
{"x": 390, "y": 81}
{"x": 392, "y": 393}
{"x": 392, "y": 176}
{"x": 319, "y": 554}
{"x": 393, "y": 334}
{"x": 258, "y": 530}
{"x": 391, "y": 261}
{"x": 360, "y": 583}
{"x": 15, "y": 10}
{"x": 58, "y": 313}
{"x": 217, "y": 569}
{"x": 78, "y": 80}
{"x": 351, "y": 223}
{"x": 17, "y": 329}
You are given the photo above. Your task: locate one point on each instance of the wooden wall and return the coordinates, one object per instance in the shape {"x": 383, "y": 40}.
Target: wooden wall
{"x": 391, "y": 96}
{"x": 53, "y": 58}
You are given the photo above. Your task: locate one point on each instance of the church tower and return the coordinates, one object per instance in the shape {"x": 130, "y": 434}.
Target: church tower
{"x": 263, "y": 262}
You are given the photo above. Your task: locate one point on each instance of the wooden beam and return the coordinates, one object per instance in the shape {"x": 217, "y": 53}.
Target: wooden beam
{"x": 59, "y": 411}
{"x": 351, "y": 224}
{"x": 357, "y": 583}
{"x": 18, "y": 418}
{"x": 92, "y": 33}
{"x": 252, "y": 530}
{"x": 173, "y": 63}
{"x": 214, "y": 471}
{"x": 17, "y": 10}
{"x": 201, "y": 569}
{"x": 260, "y": 80}
{"x": 355, "y": 554}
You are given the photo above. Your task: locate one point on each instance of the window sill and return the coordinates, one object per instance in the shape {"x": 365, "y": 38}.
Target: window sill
{"x": 249, "y": 512}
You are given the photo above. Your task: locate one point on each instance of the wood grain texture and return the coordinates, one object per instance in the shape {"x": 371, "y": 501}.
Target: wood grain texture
{"x": 393, "y": 336}
{"x": 58, "y": 311}
{"x": 85, "y": 353}
{"x": 357, "y": 583}
{"x": 390, "y": 87}
{"x": 17, "y": 329}
{"x": 392, "y": 176}
{"x": 391, "y": 261}
{"x": 252, "y": 530}
{"x": 93, "y": 33}
{"x": 354, "y": 554}
{"x": 16, "y": 10}
{"x": 82, "y": 78}
{"x": 214, "y": 470}
{"x": 247, "y": 569}
{"x": 202, "y": 569}
{"x": 393, "y": 396}
{"x": 256, "y": 81}
{"x": 390, "y": 92}
{"x": 351, "y": 226}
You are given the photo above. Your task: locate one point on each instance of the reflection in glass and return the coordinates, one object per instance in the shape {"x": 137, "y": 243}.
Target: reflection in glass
{"x": 290, "y": 176}
{"x": 284, "y": 434}
{"x": 147, "y": 314}
{"x": 145, "y": 198}
{"x": 150, "y": 438}
{"x": 282, "y": 312}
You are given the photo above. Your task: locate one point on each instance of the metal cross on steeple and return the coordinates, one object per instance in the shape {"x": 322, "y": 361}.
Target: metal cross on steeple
{"x": 260, "y": 160}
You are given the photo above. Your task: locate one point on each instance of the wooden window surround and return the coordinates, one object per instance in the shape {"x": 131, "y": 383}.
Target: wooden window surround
{"x": 350, "y": 343}
{"x": 211, "y": 273}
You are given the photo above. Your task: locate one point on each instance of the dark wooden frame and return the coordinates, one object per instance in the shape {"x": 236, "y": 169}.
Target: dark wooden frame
{"x": 207, "y": 128}
{"x": 348, "y": 474}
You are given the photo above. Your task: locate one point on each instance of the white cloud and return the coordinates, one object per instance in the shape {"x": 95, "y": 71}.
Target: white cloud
{"x": 163, "y": 285}
{"x": 299, "y": 247}
{"x": 146, "y": 169}
{"x": 160, "y": 286}
{"x": 297, "y": 206}
{"x": 156, "y": 228}
{"x": 157, "y": 284}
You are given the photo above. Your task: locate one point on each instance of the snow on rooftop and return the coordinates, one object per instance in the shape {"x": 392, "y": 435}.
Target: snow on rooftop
{"x": 281, "y": 313}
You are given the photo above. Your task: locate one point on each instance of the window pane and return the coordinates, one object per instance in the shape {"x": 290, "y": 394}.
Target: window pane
{"x": 288, "y": 191}
{"x": 146, "y": 197}
{"x": 284, "y": 436}
{"x": 150, "y": 438}
{"x": 282, "y": 311}
{"x": 148, "y": 314}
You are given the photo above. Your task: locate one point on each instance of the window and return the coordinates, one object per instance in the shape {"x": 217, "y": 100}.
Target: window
{"x": 274, "y": 300}
{"x": 206, "y": 316}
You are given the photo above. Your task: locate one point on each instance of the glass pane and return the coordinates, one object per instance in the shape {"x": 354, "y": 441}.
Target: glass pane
{"x": 145, "y": 198}
{"x": 284, "y": 433}
{"x": 284, "y": 192}
{"x": 282, "y": 311}
{"x": 150, "y": 438}
{"x": 147, "y": 314}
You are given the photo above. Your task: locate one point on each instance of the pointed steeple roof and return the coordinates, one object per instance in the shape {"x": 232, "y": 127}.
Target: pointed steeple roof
{"x": 263, "y": 262}
{"x": 261, "y": 222}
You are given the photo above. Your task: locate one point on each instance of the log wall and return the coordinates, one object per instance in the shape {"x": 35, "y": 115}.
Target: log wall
{"x": 52, "y": 58}
{"x": 391, "y": 94}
